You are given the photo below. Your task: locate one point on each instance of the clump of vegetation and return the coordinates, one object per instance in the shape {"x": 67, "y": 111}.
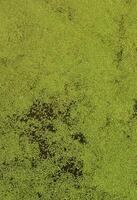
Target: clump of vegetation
{"x": 80, "y": 137}
{"x": 39, "y": 128}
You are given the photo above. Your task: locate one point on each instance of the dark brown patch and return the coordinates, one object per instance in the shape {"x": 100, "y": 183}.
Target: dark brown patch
{"x": 135, "y": 107}
{"x": 33, "y": 133}
{"x": 80, "y": 137}
{"x": 39, "y": 194}
{"x": 44, "y": 149}
{"x": 70, "y": 13}
{"x": 66, "y": 114}
{"x": 56, "y": 176}
{"x": 128, "y": 1}
{"x": 119, "y": 56}
{"x": 121, "y": 32}
{"x": 51, "y": 128}
{"x": 33, "y": 163}
{"x": 66, "y": 11}
{"x": 134, "y": 113}
{"x": 116, "y": 81}
{"x": 128, "y": 136}
{"x": 40, "y": 111}
{"x": 73, "y": 167}
{"x": 60, "y": 10}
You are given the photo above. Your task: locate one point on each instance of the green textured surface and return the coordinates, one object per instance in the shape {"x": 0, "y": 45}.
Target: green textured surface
{"x": 68, "y": 99}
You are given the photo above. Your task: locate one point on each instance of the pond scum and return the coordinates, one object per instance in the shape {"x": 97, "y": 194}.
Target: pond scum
{"x": 68, "y": 100}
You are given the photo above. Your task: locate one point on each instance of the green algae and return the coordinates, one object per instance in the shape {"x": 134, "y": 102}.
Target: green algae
{"x": 68, "y": 100}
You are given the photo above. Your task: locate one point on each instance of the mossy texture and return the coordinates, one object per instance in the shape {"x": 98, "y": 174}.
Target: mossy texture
{"x": 68, "y": 99}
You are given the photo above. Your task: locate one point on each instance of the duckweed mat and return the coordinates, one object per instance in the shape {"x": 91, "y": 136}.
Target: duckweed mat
{"x": 68, "y": 99}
